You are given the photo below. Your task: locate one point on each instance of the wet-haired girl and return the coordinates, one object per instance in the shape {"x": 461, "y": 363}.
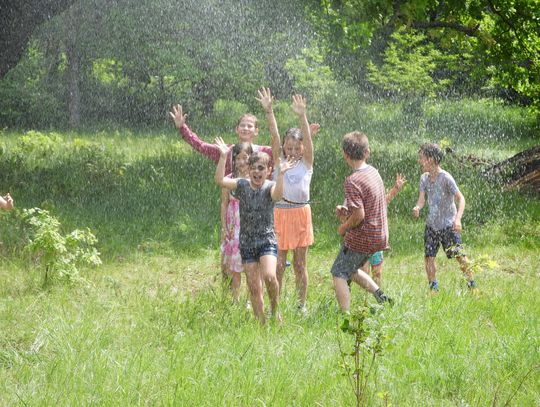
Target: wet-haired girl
{"x": 292, "y": 214}
{"x": 230, "y": 220}
{"x": 258, "y": 247}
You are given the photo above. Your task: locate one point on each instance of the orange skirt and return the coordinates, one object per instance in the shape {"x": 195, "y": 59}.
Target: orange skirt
{"x": 293, "y": 227}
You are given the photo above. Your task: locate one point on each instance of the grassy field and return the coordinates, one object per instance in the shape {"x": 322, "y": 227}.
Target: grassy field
{"x": 153, "y": 326}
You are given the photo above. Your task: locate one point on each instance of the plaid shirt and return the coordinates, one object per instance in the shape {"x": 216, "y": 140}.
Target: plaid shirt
{"x": 364, "y": 188}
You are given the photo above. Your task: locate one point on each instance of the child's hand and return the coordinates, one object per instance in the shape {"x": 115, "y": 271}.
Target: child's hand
{"x": 342, "y": 213}
{"x": 286, "y": 165}
{"x": 314, "y": 128}
{"x": 178, "y": 116}
{"x": 299, "y": 105}
{"x": 457, "y": 226}
{"x": 223, "y": 148}
{"x": 265, "y": 99}
{"x": 9, "y": 202}
{"x": 400, "y": 181}
{"x": 416, "y": 212}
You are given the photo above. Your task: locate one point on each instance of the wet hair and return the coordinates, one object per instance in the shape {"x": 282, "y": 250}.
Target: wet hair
{"x": 237, "y": 149}
{"x": 293, "y": 133}
{"x": 355, "y": 145}
{"x": 248, "y": 115}
{"x": 259, "y": 156}
{"x": 433, "y": 151}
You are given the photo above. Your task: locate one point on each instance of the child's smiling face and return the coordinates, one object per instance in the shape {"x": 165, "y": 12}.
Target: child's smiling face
{"x": 247, "y": 129}
{"x": 241, "y": 163}
{"x": 293, "y": 148}
{"x": 258, "y": 172}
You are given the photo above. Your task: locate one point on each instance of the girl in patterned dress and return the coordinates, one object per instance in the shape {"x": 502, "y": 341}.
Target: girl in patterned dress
{"x": 230, "y": 220}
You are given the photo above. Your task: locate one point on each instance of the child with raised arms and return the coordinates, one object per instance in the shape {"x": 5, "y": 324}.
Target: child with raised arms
{"x": 258, "y": 245}
{"x": 292, "y": 214}
{"x": 230, "y": 220}
{"x": 246, "y": 129}
{"x": 443, "y": 224}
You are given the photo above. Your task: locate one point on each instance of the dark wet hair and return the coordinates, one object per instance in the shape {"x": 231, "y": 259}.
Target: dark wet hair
{"x": 259, "y": 156}
{"x": 237, "y": 149}
{"x": 293, "y": 133}
{"x": 252, "y": 116}
{"x": 433, "y": 151}
{"x": 355, "y": 145}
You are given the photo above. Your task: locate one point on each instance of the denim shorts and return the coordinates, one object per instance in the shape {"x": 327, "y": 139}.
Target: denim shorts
{"x": 347, "y": 262}
{"x": 254, "y": 254}
{"x": 447, "y": 238}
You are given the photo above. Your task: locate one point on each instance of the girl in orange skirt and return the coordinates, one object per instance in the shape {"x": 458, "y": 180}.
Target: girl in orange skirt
{"x": 292, "y": 214}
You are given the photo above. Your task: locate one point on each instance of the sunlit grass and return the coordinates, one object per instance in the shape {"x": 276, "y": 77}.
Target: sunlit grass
{"x": 156, "y": 330}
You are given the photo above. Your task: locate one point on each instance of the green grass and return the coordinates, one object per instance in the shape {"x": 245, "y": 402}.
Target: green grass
{"x": 152, "y": 325}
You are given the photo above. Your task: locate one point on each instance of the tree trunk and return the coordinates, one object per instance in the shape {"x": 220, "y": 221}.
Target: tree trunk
{"x": 521, "y": 171}
{"x": 74, "y": 68}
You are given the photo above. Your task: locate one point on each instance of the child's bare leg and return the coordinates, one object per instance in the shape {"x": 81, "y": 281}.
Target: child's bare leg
{"x": 343, "y": 294}
{"x": 464, "y": 266}
{"x": 281, "y": 264}
{"x": 235, "y": 286}
{"x": 254, "y": 283}
{"x": 225, "y": 272}
{"x": 363, "y": 279}
{"x": 376, "y": 272}
{"x": 431, "y": 269}
{"x": 268, "y": 270}
{"x": 301, "y": 274}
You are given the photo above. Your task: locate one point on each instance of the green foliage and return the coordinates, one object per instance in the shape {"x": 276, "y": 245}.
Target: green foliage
{"x": 59, "y": 255}
{"x": 359, "y": 363}
{"x": 408, "y": 68}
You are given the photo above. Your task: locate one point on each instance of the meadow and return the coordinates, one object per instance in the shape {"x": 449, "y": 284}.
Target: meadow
{"x": 153, "y": 326}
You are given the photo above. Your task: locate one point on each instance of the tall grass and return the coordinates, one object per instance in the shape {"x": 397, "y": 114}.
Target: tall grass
{"x": 152, "y": 326}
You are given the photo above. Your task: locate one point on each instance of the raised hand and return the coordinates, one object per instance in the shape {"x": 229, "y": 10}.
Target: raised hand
{"x": 299, "y": 105}
{"x": 9, "y": 201}
{"x": 314, "y": 128}
{"x": 265, "y": 98}
{"x": 223, "y": 148}
{"x": 286, "y": 165}
{"x": 400, "y": 181}
{"x": 178, "y": 116}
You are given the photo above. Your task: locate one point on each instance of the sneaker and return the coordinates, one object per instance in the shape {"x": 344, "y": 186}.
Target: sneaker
{"x": 434, "y": 286}
{"x": 382, "y": 297}
{"x": 287, "y": 263}
{"x": 472, "y": 284}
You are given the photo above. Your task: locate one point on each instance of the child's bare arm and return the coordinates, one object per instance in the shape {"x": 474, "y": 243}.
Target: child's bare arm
{"x": 265, "y": 98}
{"x": 460, "y": 199}
{"x": 299, "y": 107}
{"x": 419, "y": 205}
{"x": 6, "y": 202}
{"x": 223, "y": 210}
{"x": 356, "y": 216}
{"x": 284, "y": 166}
{"x": 400, "y": 181}
{"x": 219, "y": 176}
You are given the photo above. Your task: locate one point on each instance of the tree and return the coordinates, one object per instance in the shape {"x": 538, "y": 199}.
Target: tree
{"x": 18, "y": 20}
{"x": 502, "y": 36}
